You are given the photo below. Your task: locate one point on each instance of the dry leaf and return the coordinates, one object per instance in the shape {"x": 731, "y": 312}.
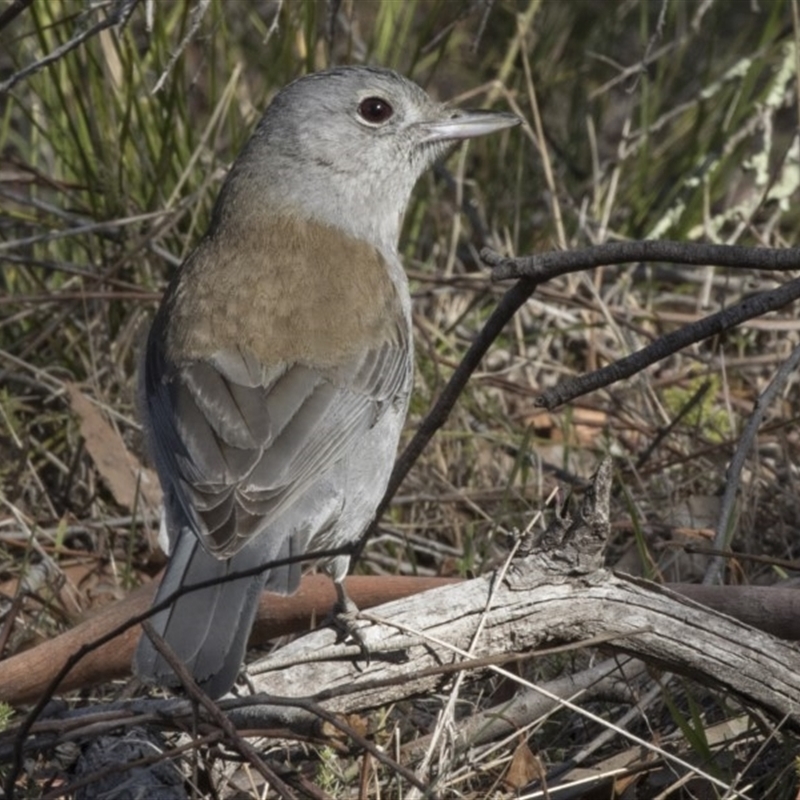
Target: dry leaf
{"x": 121, "y": 470}
{"x": 523, "y": 769}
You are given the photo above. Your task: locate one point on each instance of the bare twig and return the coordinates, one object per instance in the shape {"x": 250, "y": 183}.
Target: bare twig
{"x": 239, "y": 743}
{"x": 74, "y": 658}
{"x": 120, "y": 12}
{"x": 544, "y": 266}
{"x": 534, "y": 270}
{"x": 195, "y": 20}
{"x": 722, "y": 535}
{"x": 670, "y": 343}
{"x": 12, "y": 11}
{"x": 504, "y": 311}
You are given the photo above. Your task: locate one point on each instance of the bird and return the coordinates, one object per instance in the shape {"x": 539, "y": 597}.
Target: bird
{"x": 278, "y": 368}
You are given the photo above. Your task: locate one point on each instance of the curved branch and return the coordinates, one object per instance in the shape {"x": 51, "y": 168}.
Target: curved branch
{"x": 670, "y": 343}
{"x": 544, "y": 266}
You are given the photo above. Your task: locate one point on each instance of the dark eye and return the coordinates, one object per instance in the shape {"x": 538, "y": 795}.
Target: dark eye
{"x": 375, "y": 110}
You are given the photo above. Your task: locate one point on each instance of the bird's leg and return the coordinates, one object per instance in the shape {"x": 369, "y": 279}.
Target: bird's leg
{"x": 345, "y": 606}
{"x": 344, "y": 617}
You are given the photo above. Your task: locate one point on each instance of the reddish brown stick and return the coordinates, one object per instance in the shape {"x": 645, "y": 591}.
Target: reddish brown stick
{"x": 24, "y": 676}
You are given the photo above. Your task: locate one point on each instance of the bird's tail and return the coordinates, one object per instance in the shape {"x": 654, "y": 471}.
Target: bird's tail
{"x": 207, "y": 629}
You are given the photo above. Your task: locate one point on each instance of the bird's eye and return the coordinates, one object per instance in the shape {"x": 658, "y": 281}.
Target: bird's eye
{"x": 375, "y": 110}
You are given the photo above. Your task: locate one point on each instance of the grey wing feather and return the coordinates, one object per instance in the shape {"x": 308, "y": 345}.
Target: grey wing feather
{"x": 239, "y": 442}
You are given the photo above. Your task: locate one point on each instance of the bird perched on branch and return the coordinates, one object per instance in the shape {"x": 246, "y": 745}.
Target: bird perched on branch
{"x": 278, "y": 369}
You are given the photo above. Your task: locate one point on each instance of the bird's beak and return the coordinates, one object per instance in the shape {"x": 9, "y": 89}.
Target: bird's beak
{"x": 466, "y": 125}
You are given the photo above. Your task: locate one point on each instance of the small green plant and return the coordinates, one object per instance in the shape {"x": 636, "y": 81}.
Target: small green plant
{"x": 706, "y": 418}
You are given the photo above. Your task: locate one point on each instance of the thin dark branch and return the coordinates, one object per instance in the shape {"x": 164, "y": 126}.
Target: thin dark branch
{"x": 544, "y": 266}
{"x": 198, "y": 696}
{"x": 536, "y": 269}
{"x": 714, "y": 324}
{"x": 69, "y": 664}
{"x": 662, "y": 434}
{"x": 119, "y": 15}
{"x": 12, "y": 11}
{"x": 509, "y": 304}
{"x": 376, "y": 752}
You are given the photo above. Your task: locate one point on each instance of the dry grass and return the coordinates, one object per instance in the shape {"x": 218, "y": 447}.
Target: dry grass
{"x": 682, "y": 127}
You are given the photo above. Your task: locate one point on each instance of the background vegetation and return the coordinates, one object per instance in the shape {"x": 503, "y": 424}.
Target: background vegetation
{"x": 644, "y": 120}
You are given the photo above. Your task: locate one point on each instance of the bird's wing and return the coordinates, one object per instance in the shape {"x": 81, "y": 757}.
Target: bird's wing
{"x": 238, "y": 443}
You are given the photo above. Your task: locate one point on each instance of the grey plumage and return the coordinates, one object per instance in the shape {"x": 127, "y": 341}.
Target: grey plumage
{"x": 277, "y": 373}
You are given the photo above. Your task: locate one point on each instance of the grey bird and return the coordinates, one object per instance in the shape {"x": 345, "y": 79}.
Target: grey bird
{"x": 278, "y": 369}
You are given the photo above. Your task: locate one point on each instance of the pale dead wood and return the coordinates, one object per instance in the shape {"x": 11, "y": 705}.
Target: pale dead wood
{"x": 557, "y": 592}
{"x": 26, "y": 675}
{"x": 535, "y": 606}
{"x": 612, "y": 677}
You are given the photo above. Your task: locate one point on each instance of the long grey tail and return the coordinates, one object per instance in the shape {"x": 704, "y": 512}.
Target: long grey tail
{"x": 207, "y": 629}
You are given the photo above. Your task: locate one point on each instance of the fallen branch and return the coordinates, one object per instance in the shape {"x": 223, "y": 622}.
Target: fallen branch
{"x": 24, "y": 676}
{"x": 556, "y": 591}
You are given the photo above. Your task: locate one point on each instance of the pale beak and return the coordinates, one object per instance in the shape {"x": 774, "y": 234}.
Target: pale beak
{"x": 466, "y": 125}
